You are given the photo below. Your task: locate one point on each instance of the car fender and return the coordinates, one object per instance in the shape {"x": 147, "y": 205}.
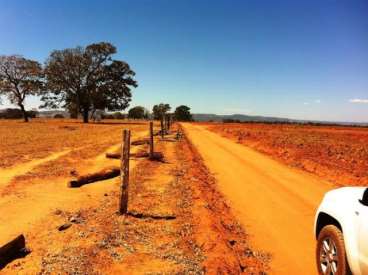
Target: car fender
{"x": 344, "y": 214}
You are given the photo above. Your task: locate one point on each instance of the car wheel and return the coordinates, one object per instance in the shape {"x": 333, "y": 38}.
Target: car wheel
{"x": 331, "y": 255}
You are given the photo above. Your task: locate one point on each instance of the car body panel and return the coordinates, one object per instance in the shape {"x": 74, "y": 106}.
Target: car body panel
{"x": 343, "y": 205}
{"x": 363, "y": 238}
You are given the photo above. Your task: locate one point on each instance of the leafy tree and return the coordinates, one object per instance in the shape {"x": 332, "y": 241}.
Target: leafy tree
{"x": 138, "y": 112}
{"x": 89, "y": 79}
{"x": 58, "y": 116}
{"x": 19, "y": 78}
{"x": 72, "y": 110}
{"x": 118, "y": 115}
{"x": 182, "y": 113}
{"x": 160, "y": 110}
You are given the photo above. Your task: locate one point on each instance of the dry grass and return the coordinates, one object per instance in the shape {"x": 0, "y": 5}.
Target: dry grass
{"x": 21, "y": 142}
{"x": 178, "y": 223}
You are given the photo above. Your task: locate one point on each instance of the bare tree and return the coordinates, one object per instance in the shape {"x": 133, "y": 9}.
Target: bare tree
{"x": 19, "y": 77}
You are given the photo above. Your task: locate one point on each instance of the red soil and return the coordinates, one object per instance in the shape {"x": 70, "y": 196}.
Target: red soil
{"x": 338, "y": 154}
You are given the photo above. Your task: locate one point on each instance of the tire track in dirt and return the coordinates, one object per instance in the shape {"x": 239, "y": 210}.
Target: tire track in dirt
{"x": 275, "y": 203}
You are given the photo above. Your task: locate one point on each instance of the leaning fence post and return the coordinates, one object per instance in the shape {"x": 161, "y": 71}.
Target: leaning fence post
{"x": 151, "y": 140}
{"x": 124, "y": 172}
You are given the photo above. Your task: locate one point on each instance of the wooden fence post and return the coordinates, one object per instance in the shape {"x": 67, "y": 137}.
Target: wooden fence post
{"x": 151, "y": 140}
{"x": 124, "y": 172}
{"x": 162, "y": 127}
{"x": 168, "y": 122}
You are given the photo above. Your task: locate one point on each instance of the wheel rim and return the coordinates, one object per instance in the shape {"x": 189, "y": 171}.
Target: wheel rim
{"x": 328, "y": 257}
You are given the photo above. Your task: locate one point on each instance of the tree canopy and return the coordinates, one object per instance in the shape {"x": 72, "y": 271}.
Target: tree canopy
{"x": 138, "y": 112}
{"x": 160, "y": 110}
{"x": 19, "y": 78}
{"x": 88, "y": 79}
{"x": 182, "y": 113}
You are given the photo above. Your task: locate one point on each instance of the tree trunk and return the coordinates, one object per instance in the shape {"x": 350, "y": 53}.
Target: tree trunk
{"x": 85, "y": 115}
{"x": 25, "y": 115}
{"x": 92, "y": 116}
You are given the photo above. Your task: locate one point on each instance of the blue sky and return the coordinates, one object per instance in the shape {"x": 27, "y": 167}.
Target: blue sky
{"x": 297, "y": 59}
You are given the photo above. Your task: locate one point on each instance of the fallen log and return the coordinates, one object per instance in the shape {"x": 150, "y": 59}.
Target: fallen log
{"x": 113, "y": 155}
{"x": 159, "y": 133}
{"x": 12, "y": 250}
{"x": 141, "y": 154}
{"x": 105, "y": 174}
{"x": 140, "y": 142}
{"x": 151, "y": 216}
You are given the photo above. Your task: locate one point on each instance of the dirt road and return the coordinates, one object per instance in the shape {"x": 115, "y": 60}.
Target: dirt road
{"x": 275, "y": 203}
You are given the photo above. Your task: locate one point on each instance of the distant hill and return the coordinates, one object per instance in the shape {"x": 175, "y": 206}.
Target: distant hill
{"x": 248, "y": 118}
{"x": 242, "y": 118}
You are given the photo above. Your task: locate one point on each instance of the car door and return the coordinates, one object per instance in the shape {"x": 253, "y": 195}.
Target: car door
{"x": 362, "y": 231}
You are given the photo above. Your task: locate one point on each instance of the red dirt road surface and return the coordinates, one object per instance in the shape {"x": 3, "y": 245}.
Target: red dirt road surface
{"x": 275, "y": 203}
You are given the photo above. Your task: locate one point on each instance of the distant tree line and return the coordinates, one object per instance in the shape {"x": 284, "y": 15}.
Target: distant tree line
{"x": 161, "y": 111}
{"x": 182, "y": 113}
{"x": 230, "y": 120}
{"x": 11, "y": 113}
{"x": 138, "y": 112}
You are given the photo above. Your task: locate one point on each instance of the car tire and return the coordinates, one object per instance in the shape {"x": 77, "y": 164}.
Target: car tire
{"x": 330, "y": 252}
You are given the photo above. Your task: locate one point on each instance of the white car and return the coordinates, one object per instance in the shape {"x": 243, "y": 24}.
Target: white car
{"x": 341, "y": 228}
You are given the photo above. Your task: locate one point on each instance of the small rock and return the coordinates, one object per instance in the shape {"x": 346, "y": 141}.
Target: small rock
{"x": 74, "y": 220}
{"x": 249, "y": 253}
{"x": 232, "y": 242}
{"x": 57, "y": 212}
{"x": 64, "y": 226}
{"x": 74, "y": 173}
